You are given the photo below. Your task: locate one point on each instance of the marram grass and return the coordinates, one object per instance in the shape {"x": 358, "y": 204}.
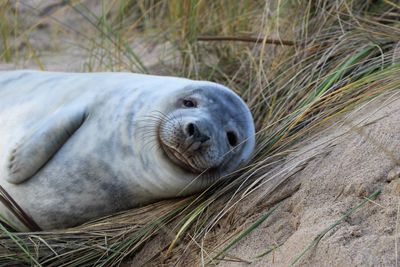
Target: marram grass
{"x": 344, "y": 55}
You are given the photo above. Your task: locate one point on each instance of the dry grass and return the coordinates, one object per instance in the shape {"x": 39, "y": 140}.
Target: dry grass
{"x": 343, "y": 56}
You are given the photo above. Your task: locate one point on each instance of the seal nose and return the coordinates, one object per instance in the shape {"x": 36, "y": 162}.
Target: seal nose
{"x": 192, "y": 131}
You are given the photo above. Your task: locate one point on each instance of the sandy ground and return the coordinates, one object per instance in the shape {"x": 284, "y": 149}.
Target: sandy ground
{"x": 359, "y": 157}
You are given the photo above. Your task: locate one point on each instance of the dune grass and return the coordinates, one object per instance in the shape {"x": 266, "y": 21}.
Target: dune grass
{"x": 342, "y": 56}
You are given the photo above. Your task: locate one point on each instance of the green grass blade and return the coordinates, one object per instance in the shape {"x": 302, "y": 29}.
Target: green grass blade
{"x": 268, "y": 251}
{"x": 20, "y": 244}
{"x": 246, "y": 232}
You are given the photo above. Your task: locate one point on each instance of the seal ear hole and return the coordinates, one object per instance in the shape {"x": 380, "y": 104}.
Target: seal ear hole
{"x": 232, "y": 138}
{"x": 189, "y": 103}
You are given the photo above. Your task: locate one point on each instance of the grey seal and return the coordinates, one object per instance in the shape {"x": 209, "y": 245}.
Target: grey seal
{"x": 78, "y": 146}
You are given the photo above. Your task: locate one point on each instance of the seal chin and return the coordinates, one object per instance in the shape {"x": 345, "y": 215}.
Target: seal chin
{"x": 183, "y": 160}
{"x": 179, "y": 159}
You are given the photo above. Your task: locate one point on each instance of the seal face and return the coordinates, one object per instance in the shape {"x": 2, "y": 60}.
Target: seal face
{"x": 207, "y": 131}
{"x": 77, "y": 146}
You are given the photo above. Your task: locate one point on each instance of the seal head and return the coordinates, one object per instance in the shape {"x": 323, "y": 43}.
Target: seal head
{"x": 206, "y": 130}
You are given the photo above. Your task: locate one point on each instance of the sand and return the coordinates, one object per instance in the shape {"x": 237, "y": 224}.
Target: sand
{"x": 360, "y": 155}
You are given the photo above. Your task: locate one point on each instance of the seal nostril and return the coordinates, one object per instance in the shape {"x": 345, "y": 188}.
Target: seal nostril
{"x": 204, "y": 138}
{"x": 190, "y": 129}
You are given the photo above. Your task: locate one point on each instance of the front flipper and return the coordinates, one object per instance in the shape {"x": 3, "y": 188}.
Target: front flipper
{"x": 30, "y": 153}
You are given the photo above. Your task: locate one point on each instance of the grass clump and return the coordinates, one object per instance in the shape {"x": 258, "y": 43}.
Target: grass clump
{"x": 7, "y": 29}
{"x": 342, "y": 54}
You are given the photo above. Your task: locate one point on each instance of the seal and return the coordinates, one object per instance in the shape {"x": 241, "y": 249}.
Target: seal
{"x": 78, "y": 146}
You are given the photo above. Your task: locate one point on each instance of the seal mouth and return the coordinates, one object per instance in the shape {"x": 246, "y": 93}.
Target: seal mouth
{"x": 182, "y": 161}
{"x": 179, "y": 159}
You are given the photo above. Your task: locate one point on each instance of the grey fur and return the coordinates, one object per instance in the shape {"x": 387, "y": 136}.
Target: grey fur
{"x": 79, "y": 146}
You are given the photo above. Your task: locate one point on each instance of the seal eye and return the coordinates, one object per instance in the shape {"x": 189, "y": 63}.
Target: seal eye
{"x": 232, "y": 138}
{"x": 189, "y": 103}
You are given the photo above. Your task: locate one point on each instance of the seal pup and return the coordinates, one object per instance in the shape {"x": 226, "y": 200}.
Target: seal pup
{"x": 78, "y": 146}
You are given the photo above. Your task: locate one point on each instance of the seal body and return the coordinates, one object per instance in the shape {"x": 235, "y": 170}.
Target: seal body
{"x": 77, "y": 146}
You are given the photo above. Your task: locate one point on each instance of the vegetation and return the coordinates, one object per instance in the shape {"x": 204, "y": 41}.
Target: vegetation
{"x": 306, "y": 63}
